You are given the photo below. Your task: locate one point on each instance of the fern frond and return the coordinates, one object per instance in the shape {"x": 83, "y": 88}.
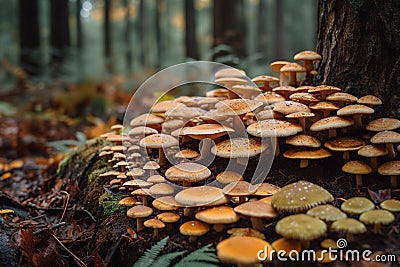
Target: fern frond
{"x": 202, "y": 257}
{"x": 165, "y": 260}
{"x": 151, "y": 254}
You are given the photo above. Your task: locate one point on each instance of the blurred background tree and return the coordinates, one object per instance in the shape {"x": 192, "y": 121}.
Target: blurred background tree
{"x": 78, "y": 40}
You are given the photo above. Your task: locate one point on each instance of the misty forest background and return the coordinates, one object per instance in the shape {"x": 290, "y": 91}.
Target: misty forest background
{"x": 81, "y": 40}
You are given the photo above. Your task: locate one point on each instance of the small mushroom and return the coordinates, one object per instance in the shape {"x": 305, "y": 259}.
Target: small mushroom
{"x": 218, "y": 216}
{"x": 345, "y": 145}
{"x": 139, "y": 212}
{"x": 356, "y": 111}
{"x": 306, "y": 154}
{"x": 151, "y": 166}
{"x": 392, "y": 169}
{"x": 187, "y": 173}
{"x": 159, "y": 141}
{"x": 327, "y": 213}
{"x": 358, "y": 168}
{"x": 194, "y": 229}
{"x": 377, "y": 218}
{"x": 349, "y": 226}
{"x": 392, "y": 205}
{"x": 357, "y": 205}
{"x": 240, "y": 189}
{"x": 372, "y": 152}
{"x": 168, "y": 218}
{"x": 383, "y": 124}
{"x": 155, "y": 224}
{"x": 388, "y": 138}
{"x": 257, "y": 210}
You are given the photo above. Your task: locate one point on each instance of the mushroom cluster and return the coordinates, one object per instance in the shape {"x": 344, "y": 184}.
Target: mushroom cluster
{"x": 162, "y": 159}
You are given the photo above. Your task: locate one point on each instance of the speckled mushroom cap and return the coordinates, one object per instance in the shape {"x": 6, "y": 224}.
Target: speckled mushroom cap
{"x": 137, "y": 183}
{"x": 146, "y": 119}
{"x": 344, "y": 144}
{"x": 141, "y": 131}
{"x": 342, "y": 97}
{"x": 239, "y": 188}
{"x": 273, "y": 128}
{"x": 356, "y": 167}
{"x": 230, "y": 72}
{"x": 333, "y": 122}
{"x": 300, "y": 196}
{"x": 139, "y": 211}
{"x": 127, "y": 201}
{"x": 151, "y": 165}
{"x": 370, "y": 151}
{"x": 285, "y": 89}
{"x": 187, "y": 171}
{"x": 392, "y": 205}
{"x": 242, "y": 250}
{"x": 269, "y": 97}
{"x": 165, "y": 106}
{"x": 265, "y": 78}
{"x": 299, "y": 153}
{"x": 185, "y": 112}
{"x": 390, "y": 168}
{"x": 288, "y": 107}
{"x": 301, "y": 227}
{"x": 327, "y": 89}
{"x": 257, "y": 209}
{"x": 348, "y": 225}
{"x": 369, "y": 100}
{"x": 383, "y": 124}
{"x": 244, "y": 89}
{"x": 327, "y": 213}
{"x": 377, "y": 217}
{"x": 194, "y": 228}
{"x": 187, "y": 154}
{"x": 354, "y": 109}
{"x": 357, "y": 205}
{"x": 304, "y": 97}
{"x": 303, "y": 140}
{"x": 307, "y": 55}
{"x": 201, "y": 196}
{"x": 158, "y": 141}
{"x": 240, "y": 106}
{"x": 239, "y": 147}
{"x": 203, "y": 131}
{"x": 227, "y": 177}
{"x": 386, "y": 137}
{"x": 218, "y": 215}
{"x": 266, "y": 189}
{"x": 166, "y": 203}
{"x": 324, "y": 105}
{"x": 299, "y": 115}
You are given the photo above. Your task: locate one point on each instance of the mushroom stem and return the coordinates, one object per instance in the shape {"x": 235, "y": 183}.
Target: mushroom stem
{"x": 242, "y": 199}
{"x": 346, "y": 155}
{"x": 186, "y": 184}
{"x": 192, "y": 238}
{"x": 357, "y": 121}
{"x": 168, "y": 227}
{"x": 205, "y": 148}
{"x": 257, "y": 223}
{"x": 139, "y": 224}
{"x": 242, "y": 161}
{"x": 144, "y": 200}
{"x": 308, "y": 64}
{"x": 350, "y": 237}
{"x": 393, "y": 181}
{"x": 302, "y": 122}
{"x": 219, "y": 227}
{"x": 188, "y": 211}
{"x": 359, "y": 180}
{"x": 390, "y": 149}
{"x": 282, "y": 79}
{"x": 267, "y": 87}
{"x": 293, "y": 80}
{"x": 374, "y": 164}
{"x": 151, "y": 172}
{"x": 161, "y": 157}
{"x": 332, "y": 133}
{"x": 238, "y": 126}
{"x": 303, "y": 163}
{"x": 155, "y": 232}
{"x": 277, "y": 149}
{"x": 377, "y": 228}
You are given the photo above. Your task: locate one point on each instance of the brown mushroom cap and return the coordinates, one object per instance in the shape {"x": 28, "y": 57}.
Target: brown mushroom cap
{"x": 234, "y": 107}
{"x": 154, "y": 223}
{"x": 383, "y": 124}
{"x": 377, "y": 217}
{"x": 168, "y": 217}
{"x": 151, "y": 165}
{"x": 161, "y": 189}
{"x": 303, "y": 140}
{"x": 301, "y": 227}
{"x": 342, "y": 97}
{"x": 319, "y": 153}
{"x": 164, "y": 106}
{"x": 146, "y": 119}
{"x": 349, "y": 225}
{"x": 324, "y": 89}
{"x": 230, "y": 72}
{"x": 307, "y": 55}
{"x": 127, "y": 201}
{"x": 203, "y": 131}
{"x": 300, "y": 196}
{"x": 324, "y": 105}
{"x": 370, "y": 151}
{"x": 227, "y": 177}
{"x": 277, "y": 65}
{"x": 354, "y": 109}
{"x": 288, "y": 107}
{"x": 344, "y": 144}
{"x": 218, "y": 215}
{"x": 201, "y": 196}
{"x": 286, "y": 245}
{"x": 139, "y": 211}
{"x": 386, "y": 137}
{"x": 242, "y": 250}
{"x": 187, "y": 154}
{"x": 273, "y": 128}
{"x": 392, "y": 205}
{"x": 391, "y": 168}
{"x": 239, "y": 148}
{"x": 304, "y": 97}
{"x": 269, "y": 98}
{"x": 166, "y": 203}
{"x": 257, "y": 209}
{"x": 239, "y": 188}
{"x": 194, "y": 228}
{"x": 187, "y": 172}
{"x": 292, "y": 67}
{"x": 333, "y": 122}
{"x": 327, "y": 213}
{"x": 266, "y": 189}
{"x": 156, "y": 179}
{"x": 245, "y": 90}
{"x": 158, "y": 141}
{"x": 369, "y": 100}
{"x": 357, "y": 205}
{"x": 141, "y": 131}
{"x": 356, "y": 167}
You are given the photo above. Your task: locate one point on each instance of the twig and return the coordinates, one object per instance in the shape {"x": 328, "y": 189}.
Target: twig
{"x": 49, "y": 228}
{"x": 111, "y": 254}
{"x": 61, "y": 209}
{"x": 78, "y": 260}
{"x": 65, "y": 205}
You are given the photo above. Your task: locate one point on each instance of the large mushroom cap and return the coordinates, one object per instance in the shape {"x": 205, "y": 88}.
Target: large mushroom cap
{"x": 233, "y": 107}
{"x": 300, "y": 196}
{"x": 292, "y": 67}
{"x": 301, "y": 227}
{"x": 390, "y": 168}
{"x": 277, "y": 65}
{"x": 327, "y": 213}
{"x": 239, "y": 147}
{"x": 164, "y": 106}
{"x": 201, "y": 196}
{"x": 273, "y": 128}
{"x": 357, "y": 205}
{"x": 370, "y": 151}
{"x": 392, "y": 205}
{"x": 257, "y": 209}
{"x": 242, "y": 250}
{"x": 158, "y": 141}
{"x": 227, "y": 177}
{"x": 218, "y": 215}
{"x": 269, "y": 97}
{"x": 383, "y": 124}
{"x": 230, "y": 72}
{"x": 341, "y": 97}
{"x": 369, "y": 100}
{"x": 239, "y": 188}
{"x": 187, "y": 171}
{"x": 139, "y": 211}
{"x": 288, "y": 107}
{"x": 331, "y": 123}
{"x": 146, "y": 119}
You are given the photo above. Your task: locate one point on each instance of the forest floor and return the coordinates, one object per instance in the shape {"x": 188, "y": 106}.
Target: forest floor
{"x": 57, "y": 221}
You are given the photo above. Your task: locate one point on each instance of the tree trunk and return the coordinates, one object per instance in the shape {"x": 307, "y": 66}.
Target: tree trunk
{"x": 29, "y": 36}
{"x": 79, "y": 23}
{"x": 279, "y": 34}
{"x": 107, "y": 28}
{"x": 360, "y": 46}
{"x": 190, "y": 23}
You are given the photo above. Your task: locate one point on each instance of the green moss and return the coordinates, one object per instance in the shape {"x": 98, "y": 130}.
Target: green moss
{"x": 110, "y": 205}
{"x": 98, "y": 168}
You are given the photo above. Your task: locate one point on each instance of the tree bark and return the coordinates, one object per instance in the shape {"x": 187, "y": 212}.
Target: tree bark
{"x": 29, "y": 36}
{"x": 190, "y": 23}
{"x": 107, "y": 29}
{"x": 360, "y": 46}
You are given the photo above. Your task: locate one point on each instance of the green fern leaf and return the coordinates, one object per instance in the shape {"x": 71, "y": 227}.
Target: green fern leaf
{"x": 165, "y": 260}
{"x": 203, "y": 257}
{"x": 150, "y": 256}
